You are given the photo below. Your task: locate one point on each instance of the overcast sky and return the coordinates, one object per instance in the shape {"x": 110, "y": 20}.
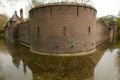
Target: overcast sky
{"x": 104, "y": 7}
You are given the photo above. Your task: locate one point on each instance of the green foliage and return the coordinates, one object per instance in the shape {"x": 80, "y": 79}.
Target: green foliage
{"x": 106, "y": 19}
{"x": 3, "y": 20}
{"x": 118, "y": 28}
{"x": 33, "y": 1}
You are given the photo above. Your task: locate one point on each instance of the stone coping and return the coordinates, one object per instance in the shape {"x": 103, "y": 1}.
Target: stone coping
{"x": 65, "y": 55}
{"x": 24, "y": 44}
{"x": 58, "y": 54}
{"x": 63, "y": 4}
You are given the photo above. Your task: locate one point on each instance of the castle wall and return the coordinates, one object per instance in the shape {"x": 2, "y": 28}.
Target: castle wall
{"x": 62, "y": 28}
{"x": 24, "y": 32}
{"x": 10, "y": 31}
{"x": 102, "y": 32}
{"x": 9, "y": 34}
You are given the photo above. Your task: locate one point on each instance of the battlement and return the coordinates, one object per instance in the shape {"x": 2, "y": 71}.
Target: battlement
{"x": 63, "y": 4}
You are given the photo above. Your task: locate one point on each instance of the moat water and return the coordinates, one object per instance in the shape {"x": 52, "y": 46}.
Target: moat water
{"x": 18, "y": 63}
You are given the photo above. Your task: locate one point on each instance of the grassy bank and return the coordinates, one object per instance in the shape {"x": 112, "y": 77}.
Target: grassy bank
{"x": 118, "y": 43}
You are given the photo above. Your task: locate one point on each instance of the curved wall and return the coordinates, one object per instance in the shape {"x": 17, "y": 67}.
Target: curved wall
{"x": 62, "y": 28}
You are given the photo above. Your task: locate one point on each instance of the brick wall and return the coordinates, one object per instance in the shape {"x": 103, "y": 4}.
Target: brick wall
{"x": 102, "y": 32}
{"x": 62, "y": 28}
{"x": 10, "y": 31}
{"x": 24, "y": 32}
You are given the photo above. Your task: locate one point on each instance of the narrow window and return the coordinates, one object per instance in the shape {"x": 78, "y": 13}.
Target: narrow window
{"x": 38, "y": 31}
{"x": 77, "y": 10}
{"x": 56, "y": 46}
{"x": 51, "y": 10}
{"x": 29, "y": 33}
{"x": 72, "y": 46}
{"x": 92, "y": 43}
{"x": 64, "y": 30}
{"x": 84, "y": 45}
{"x": 32, "y": 13}
{"x": 89, "y": 30}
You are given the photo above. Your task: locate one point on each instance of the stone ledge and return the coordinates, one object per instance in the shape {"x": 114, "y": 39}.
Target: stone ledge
{"x": 65, "y": 55}
{"x": 24, "y": 44}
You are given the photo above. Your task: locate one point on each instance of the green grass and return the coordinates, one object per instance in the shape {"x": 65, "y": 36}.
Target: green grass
{"x": 118, "y": 43}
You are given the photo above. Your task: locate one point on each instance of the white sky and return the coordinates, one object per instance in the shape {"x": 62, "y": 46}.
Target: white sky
{"x": 104, "y": 7}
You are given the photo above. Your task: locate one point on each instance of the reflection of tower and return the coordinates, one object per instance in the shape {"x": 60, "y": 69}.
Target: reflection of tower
{"x": 24, "y": 66}
{"x": 16, "y": 62}
{"x": 113, "y": 25}
{"x": 27, "y": 73}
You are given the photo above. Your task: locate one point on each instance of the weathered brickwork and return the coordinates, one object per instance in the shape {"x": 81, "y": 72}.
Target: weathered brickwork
{"x": 102, "y": 32}
{"x": 24, "y": 32}
{"x": 10, "y": 31}
{"x": 62, "y": 29}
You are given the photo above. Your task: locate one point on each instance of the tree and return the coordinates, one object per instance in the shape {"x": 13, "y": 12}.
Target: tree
{"x": 118, "y": 28}
{"x": 105, "y": 19}
{"x": 3, "y": 20}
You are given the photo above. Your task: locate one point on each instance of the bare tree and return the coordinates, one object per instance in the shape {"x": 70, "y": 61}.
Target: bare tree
{"x": 86, "y": 1}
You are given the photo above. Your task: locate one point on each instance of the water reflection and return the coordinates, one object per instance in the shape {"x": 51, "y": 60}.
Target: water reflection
{"x": 19, "y": 63}
{"x": 108, "y": 68}
{"x": 9, "y": 71}
{"x": 51, "y": 67}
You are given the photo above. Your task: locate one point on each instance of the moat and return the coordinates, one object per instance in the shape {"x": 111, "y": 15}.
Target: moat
{"x": 18, "y": 63}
